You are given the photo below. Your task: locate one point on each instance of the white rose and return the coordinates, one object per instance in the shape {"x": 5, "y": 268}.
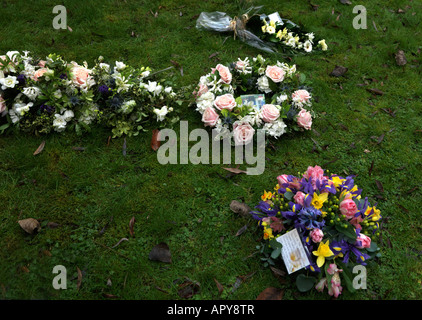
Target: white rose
{"x": 307, "y": 46}
{"x": 119, "y": 66}
{"x": 58, "y": 94}
{"x": 153, "y": 87}
{"x": 105, "y": 67}
{"x": 204, "y": 101}
{"x": 282, "y": 98}
{"x": 145, "y": 74}
{"x": 59, "y": 123}
{"x": 68, "y": 115}
{"x": 161, "y": 113}
{"x": 263, "y": 84}
{"x": 8, "y": 82}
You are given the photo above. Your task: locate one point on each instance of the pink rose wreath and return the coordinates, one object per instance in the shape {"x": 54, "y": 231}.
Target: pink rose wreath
{"x": 250, "y": 94}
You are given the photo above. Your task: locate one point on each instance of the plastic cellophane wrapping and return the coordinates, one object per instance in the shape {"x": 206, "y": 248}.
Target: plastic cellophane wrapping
{"x": 221, "y": 22}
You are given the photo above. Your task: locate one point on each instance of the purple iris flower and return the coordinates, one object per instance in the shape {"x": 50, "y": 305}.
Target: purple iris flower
{"x": 46, "y": 108}
{"x": 21, "y": 79}
{"x": 308, "y": 218}
{"x": 103, "y": 89}
{"x": 347, "y": 248}
{"x": 307, "y": 186}
{"x": 264, "y": 211}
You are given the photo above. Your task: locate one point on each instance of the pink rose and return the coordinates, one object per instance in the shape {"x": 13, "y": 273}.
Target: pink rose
{"x": 39, "y": 73}
{"x": 240, "y": 65}
{"x": 321, "y": 285}
{"x": 365, "y": 241}
{"x": 202, "y": 89}
{"x": 356, "y": 222}
{"x": 282, "y": 179}
{"x": 225, "y": 74}
{"x": 275, "y": 73}
{"x": 42, "y": 63}
{"x": 299, "y": 198}
{"x": 301, "y": 95}
{"x": 242, "y": 133}
{"x": 332, "y": 268}
{"x": 304, "y": 119}
{"x": 269, "y": 112}
{"x": 80, "y": 75}
{"x": 316, "y": 173}
{"x": 2, "y": 104}
{"x": 316, "y": 235}
{"x": 348, "y": 208}
{"x": 226, "y": 101}
{"x": 210, "y": 117}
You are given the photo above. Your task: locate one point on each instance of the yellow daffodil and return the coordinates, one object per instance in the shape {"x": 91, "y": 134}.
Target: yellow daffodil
{"x": 337, "y": 181}
{"x": 272, "y": 23}
{"x": 376, "y": 215}
{"x": 264, "y": 28}
{"x": 318, "y": 200}
{"x": 267, "y": 195}
{"x": 276, "y": 187}
{"x": 268, "y": 233}
{"x": 323, "y": 252}
{"x": 323, "y": 45}
{"x": 281, "y": 34}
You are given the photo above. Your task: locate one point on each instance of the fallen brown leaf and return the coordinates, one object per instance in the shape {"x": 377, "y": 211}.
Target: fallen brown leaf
{"x": 338, "y": 71}
{"x": 400, "y": 58}
{"x": 155, "y": 143}
{"x": 30, "y": 225}
{"x": 241, "y": 230}
{"x": 375, "y": 91}
{"x": 219, "y": 287}
{"x": 271, "y": 293}
{"x": 279, "y": 274}
{"x": 110, "y": 296}
{"x": 371, "y": 168}
{"x": 40, "y": 148}
{"x": 235, "y": 170}
{"x": 380, "y": 186}
{"x": 79, "y": 283}
{"x": 78, "y": 148}
{"x": 240, "y": 208}
{"x": 161, "y": 252}
{"x": 131, "y": 225}
{"x": 188, "y": 289}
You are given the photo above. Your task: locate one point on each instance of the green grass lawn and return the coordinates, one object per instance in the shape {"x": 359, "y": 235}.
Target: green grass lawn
{"x": 93, "y": 194}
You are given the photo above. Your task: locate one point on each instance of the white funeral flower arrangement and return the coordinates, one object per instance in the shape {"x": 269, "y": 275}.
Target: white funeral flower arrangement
{"x": 46, "y": 95}
{"x": 252, "y": 94}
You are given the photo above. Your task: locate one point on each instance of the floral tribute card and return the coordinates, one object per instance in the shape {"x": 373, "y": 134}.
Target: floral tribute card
{"x": 257, "y": 100}
{"x": 293, "y": 252}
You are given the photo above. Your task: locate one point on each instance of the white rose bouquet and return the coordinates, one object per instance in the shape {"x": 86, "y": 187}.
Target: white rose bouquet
{"x": 252, "y": 94}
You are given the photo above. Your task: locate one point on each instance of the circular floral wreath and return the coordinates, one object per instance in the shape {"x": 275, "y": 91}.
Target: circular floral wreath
{"x": 47, "y": 95}
{"x": 252, "y": 94}
{"x": 336, "y": 229}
